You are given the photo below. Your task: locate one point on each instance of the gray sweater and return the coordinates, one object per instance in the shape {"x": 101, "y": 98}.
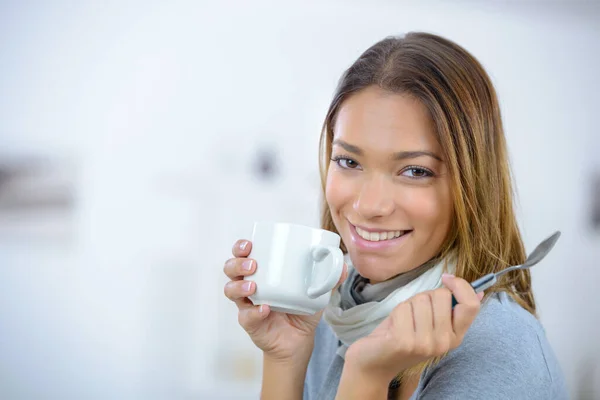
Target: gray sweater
{"x": 504, "y": 355}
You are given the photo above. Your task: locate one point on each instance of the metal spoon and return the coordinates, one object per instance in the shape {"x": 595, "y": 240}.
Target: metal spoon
{"x": 535, "y": 257}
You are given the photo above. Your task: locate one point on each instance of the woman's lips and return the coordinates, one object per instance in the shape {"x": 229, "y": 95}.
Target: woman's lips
{"x": 364, "y": 244}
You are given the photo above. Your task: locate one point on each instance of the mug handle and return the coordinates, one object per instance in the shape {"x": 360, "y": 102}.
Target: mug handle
{"x": 318, "y": 254}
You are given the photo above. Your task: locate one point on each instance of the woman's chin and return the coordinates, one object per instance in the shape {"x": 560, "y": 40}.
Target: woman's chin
{"x": 374, "y": 273}
{"x": 375, "y": 269}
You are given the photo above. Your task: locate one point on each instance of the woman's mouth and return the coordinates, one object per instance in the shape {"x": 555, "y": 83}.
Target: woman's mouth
{"x": 376, "y": 240}
{"x": 377, "y": 236}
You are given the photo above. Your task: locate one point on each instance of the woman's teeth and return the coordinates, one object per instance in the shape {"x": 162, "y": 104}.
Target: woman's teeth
{"x": 378, "y": 236}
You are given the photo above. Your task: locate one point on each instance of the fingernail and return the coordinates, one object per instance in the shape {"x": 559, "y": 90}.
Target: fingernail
{"x": 480, "y": 295}
{"x": 448, "y": 276}
{"x": 247, "y": 286}
{"x": 247, "y": 265}
{"x": 243, "y": 245}
{"x": 260, "y": 309}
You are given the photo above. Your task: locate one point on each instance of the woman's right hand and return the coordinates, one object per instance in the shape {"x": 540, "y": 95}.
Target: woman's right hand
{"x": 282, "y": 337}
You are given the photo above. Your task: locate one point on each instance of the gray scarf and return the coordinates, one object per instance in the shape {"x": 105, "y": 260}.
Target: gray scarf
{"x": 357, "y": 290}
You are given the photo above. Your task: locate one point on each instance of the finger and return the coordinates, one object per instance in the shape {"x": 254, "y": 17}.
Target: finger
{"x": 239, "y": 290}
{"x": 241, "y": 248}
{"x": 237, "y": 268}
{"x": 244, "y": 303}
{"x": 343, "y": 277}
{"x": 468, "y": 303}
{"x": 423, "y": 316}
{"x": 462, "y": 290}
{"x": 403, "y": 322}
{"x": 442, "y": 310}
{"x": 251, "y": 318}
{"x": 442, "y": 319}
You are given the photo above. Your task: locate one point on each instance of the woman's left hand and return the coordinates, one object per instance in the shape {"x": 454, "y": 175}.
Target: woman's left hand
{"x": 418, "y": 329}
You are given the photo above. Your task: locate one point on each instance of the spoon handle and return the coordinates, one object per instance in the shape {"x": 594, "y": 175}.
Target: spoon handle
{"x": 479, "y": 285}
{"x": 535, "y": 257}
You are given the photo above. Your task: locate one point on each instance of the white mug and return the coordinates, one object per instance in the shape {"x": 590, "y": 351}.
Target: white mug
{"x": 297, "y": 267}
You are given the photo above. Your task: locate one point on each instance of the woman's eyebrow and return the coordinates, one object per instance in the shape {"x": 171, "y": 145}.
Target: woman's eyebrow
{"x": 401, "y": 155}
{"x": 348, "y": 147}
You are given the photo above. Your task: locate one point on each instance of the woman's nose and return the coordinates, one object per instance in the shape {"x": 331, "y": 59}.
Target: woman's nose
{"x": 374, "y": 200}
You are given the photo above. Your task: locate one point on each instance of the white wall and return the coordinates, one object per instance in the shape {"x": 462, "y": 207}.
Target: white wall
{"x": 163, "y": 106}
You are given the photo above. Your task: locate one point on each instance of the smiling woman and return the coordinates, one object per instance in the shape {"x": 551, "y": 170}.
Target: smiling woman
{"x": 387, "y": 175}
{"x": 416, "y": 182}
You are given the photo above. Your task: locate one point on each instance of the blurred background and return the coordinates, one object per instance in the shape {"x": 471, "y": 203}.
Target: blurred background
{"x": 140, "y": 139}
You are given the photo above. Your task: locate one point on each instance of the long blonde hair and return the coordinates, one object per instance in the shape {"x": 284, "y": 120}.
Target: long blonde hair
{"x": 463, "y": 105}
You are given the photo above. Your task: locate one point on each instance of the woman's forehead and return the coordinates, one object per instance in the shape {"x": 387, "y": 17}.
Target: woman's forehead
{"x": 377, "y": 120}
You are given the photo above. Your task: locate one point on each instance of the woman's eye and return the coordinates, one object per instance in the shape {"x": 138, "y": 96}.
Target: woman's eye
{"x": 346, "y": 163}
{"x": 417, "y": 172}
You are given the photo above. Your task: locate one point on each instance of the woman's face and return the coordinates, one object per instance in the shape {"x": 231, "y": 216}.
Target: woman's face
{"x": 387, "y": 186}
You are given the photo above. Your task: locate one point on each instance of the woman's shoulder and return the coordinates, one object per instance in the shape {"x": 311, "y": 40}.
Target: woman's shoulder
{"x": 503, "y": 324}
{"x": 505, "y": 354}
{"x": 502, "y": 320}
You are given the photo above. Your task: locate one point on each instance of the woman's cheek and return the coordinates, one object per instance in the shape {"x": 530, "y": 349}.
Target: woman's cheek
{"x": 430, "y": 211}
{"x": 338, "y": 190}
{"x": 423, "y": 205}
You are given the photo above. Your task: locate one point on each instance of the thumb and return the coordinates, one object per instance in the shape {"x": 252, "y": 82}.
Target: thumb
{"x": 343, "y": 277}
{"x": 462, "y": 290}
{"x": 468, "y": 303}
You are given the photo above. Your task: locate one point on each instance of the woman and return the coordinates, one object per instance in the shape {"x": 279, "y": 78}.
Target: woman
{"x": 416, "y": 181}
